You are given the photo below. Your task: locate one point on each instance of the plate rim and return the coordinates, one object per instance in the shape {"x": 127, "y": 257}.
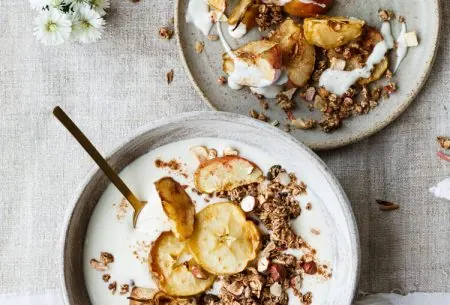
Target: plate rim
{"x": 214, "y": 116}
{"x": 318, "y": 146}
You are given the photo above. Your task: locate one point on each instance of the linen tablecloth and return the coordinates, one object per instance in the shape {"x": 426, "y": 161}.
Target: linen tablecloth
{"x": 118, "y": 84}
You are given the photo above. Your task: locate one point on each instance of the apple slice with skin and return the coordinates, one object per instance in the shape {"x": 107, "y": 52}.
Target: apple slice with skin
{"x": 308, "y": 8}
{"x": 298, "y": 55}
{"x": 262, "y": 56}
{"x": 226, "y": 173}
{"x": 178, "y": 206}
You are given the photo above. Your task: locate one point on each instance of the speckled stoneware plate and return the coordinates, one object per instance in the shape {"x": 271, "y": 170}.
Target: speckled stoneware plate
{"x": 331, "y": 199}
{"x": 423, "y": 16}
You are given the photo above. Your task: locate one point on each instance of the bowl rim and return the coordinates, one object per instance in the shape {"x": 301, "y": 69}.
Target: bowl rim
{"x": 409, "y": 98}
{"x": 215, "y": 116}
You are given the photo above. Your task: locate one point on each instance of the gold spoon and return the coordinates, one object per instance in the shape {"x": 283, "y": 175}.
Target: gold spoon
{"x": 101, "y": 162}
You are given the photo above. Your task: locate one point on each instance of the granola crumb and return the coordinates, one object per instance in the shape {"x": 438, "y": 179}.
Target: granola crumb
{"x": 199, "y": 46}
{"x": 172, "y": 165}
{"x": 124, "y": 289}
{"x": 388, "y": 74}
{"x": 107, "y": 258}
{"x": 315, "y": 231}
{"x": 262, "y": 117}
{"x": 275, "y": 123}
{"x": 213, "y": 37}
{"x": 304, "y": 124}
{"x": 99, "y": 266}
{"x": 268, "y": 15}
{"x": 113, "y": 287}
{"x": 401, "y": 19}
{"x": 165, "y": 33}
{"x": 106, "y": 277}
{"x": 221, "y": 80}
{"x": 308, "y": 206}
{"x": 444, "y": 142}
{"x": 386, "y": 15}
{"x": 122, "y": 209}
{"x": 264, "y": 104}
{"x": 285, "y": 102}
{"x": 169, "y": 77}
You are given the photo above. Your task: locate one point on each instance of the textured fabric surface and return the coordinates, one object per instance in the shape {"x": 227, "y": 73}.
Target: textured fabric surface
{"x": 112, "y": 87}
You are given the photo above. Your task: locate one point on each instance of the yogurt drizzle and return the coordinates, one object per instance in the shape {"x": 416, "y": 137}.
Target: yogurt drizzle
{"x": 245, "y": 74}
{"x": 338, "y": 82}
{"x": 198, "y": 13}
{"x": 237, "y": 32}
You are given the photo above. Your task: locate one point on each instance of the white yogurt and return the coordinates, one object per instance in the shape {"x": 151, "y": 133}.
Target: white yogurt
{"x": 338, "y": 82}
{"x": 107, "y": 233}
{"x": 273, "y": 90}
{"x": 198, "y": 13}
{"x": 402, "y": 47}
{"x": 442, "y": 189}
{"x": 245, "y": 74}
{"x": 237, "y": 32}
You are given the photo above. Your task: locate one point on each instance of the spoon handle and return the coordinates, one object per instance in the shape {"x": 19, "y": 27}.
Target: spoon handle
{"x": 97, "y": 157}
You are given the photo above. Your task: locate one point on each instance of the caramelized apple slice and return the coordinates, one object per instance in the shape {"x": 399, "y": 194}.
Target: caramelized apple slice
{"x": 302, "y": 9}
{"x": 332, "y": 32}
{"x": 239, "y": 11}
{"x": 170, "y": 263}
{"x": 226, "y": 173}
{"x": 178, "y": 206}
{"x": 263, "y": 55}
{"x": 298, "y": 55}
{"x": 224, "y": 241}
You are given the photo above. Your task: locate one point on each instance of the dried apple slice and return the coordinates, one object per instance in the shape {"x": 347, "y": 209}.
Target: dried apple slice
{"x": 171, "y": 271}
{"x": 302, "y": 9}
{"x": 178, "y": 206}
{"x": 238, "y": 12}
{"x": 332, "y": 32}
{"x": 298, "y": 55}
{"x": 226, "y": 173}
{"x": 224, "y": 241}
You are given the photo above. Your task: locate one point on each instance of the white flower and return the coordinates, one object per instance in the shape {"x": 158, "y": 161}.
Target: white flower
{"x": 56, "y": 3}
{"x": 52, "y": 27}
{"x": 77, "y": 4}
{"x": 99, "y": 6}
{"x": 39, "y": 4}
{"x": 87, "y": 25}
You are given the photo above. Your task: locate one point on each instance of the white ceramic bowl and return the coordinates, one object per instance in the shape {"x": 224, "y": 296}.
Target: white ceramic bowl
{"x": 291, "y": 153}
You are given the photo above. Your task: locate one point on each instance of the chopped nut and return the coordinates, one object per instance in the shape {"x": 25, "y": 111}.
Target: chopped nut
{"x": 198, "y": 272}
{"x": 236, "y": 288}
{"x": 289, "y": 93}
{"x": 107, "y": 258}
{"x": 264, "y": 104}
{"x": 262, "y": 117}
{"x": 199, "y": 46}
{"x": 310, "y": 94}
{"x": 124, "y": 289}
{"x": 221, "y": 80}
{"x": 169, "y": 76}
{"x": 248, "y": 203}
{"x": 113, "y": 287}
{"x": 212, "y": 153}
{"x": 315, "y": 231}
{"x": 296, "y": 284}
{"x": 387, "y": 205}
{"x": 391, "y": 87}
{"x": 309, "y": 206}
{"x": 263, "y": 264}
{"x": 106, "y": 277}
{"x": 302, "y": 124}
{"x": 285, "y": 102}
{"x": 444, "y": 142}
{"x": 337, "y": 64}
{"x": 253, "y": 114}
{"x": 411, "y": 39}
{"x": 388, "y": 74}
{"x": 283, "y": 178}
{"x": 165, "y": 33}
{"x": 385, "y": 15}
{"x": 277, "y": 272}
{"x": 230, "y": 152}
{"x": 98, "y": 265}
{"x": 213, "y": 37}
{"x": 276, "y": 290}
{"x": 310, "y": 267}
